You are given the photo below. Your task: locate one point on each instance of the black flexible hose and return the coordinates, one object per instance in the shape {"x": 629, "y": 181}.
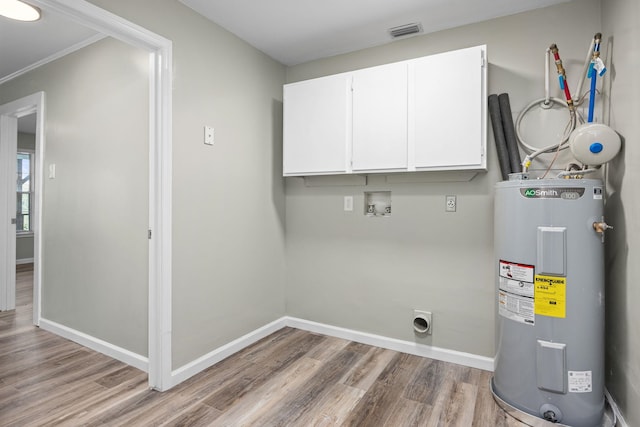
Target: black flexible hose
{"x": 509, "y": 133}
{"x": 498, "y": 136}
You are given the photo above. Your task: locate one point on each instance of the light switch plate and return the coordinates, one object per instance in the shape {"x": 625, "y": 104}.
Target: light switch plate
{"x": 208, "y": 135}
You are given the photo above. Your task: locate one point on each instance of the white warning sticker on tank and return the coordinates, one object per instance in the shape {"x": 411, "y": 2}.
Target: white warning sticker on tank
{"x": 516, "y": 307}
{"x": 516, "y": 271}
{"x": 518, "y": 287}
{"x": 580, "y": 381}
{"x": 516, "y": 292}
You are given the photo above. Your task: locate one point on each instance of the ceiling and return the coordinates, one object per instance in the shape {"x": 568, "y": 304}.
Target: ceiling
{"x": 297, "y": 31}
{"x": 290, "y": 31}
{"x": 23, "y": 44}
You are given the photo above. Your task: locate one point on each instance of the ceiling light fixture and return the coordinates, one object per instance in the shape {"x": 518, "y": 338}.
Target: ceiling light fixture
{"x": 20, "y": 11}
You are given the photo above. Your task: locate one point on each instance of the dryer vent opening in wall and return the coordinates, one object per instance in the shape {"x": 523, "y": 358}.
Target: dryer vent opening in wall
{"x": 422, "y": 322}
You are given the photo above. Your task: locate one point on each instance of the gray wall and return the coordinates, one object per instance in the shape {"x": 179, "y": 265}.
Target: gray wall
{"x": 24, "y": 248}
{"x": 24, "y": 244}
{"x": 369, "y": 274}
{"x": 342, "y": 268}
{"x": 95, "y": 212}
{"x": 228, "y": 200}
{"x": 622, "y": 34}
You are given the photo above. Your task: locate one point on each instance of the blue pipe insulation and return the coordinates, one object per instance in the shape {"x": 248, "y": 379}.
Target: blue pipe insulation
{"x": 593, "y": 74}
{"x": 592, "y": 93}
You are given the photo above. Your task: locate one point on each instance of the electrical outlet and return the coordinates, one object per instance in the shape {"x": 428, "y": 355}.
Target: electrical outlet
{"x": 348, "y": 203}
{"x": 450, "y": 204}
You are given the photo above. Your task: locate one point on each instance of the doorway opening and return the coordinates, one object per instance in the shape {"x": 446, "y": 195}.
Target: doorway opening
{"x": 160, "y": 77}
{"x": 27, "y": 111}
{"x": 25, "y": 204}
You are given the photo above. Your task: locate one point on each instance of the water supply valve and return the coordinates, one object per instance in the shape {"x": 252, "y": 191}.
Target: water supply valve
{"x": 601, "y": 227}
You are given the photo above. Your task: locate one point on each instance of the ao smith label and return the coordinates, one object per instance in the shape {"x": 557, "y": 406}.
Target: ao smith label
{"x": 552, "y": 193}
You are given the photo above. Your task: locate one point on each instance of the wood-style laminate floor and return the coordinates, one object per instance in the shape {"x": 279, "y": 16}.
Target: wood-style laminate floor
{"x": 291, "y": 378}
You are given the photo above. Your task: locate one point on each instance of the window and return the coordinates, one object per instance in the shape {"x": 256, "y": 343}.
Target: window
{"x": 24, "y": 191}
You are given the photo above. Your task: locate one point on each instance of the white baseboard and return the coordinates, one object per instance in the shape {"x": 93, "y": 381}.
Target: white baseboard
{"x": 453, "y": 356}
{"x": 620, "y": 422}
{"x": 192, "y": 368}
{"x": 215, "y": 356}
{"x": 24, "y": 261}
{"x": 118, "y": 353}
{"x": 198, "y": 365}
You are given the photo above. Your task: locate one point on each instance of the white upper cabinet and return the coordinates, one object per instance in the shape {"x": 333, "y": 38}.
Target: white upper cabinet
{"x": 449, "y": 110}
{"x": 380, "y": 118}
{"x": 317, "y": 126}
{"x": 423, "y": 114}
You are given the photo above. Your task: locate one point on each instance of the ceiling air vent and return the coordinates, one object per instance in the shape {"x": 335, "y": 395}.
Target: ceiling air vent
{"x": 405, "y": 30}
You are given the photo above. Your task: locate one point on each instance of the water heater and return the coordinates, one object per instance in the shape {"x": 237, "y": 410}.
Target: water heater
{"x": 549, "y": 265}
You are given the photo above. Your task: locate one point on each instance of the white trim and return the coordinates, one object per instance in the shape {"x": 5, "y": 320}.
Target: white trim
{"x": 446, "y": 355}
{"x": 8, "y": 145}
{"x": 215, "y": 356}
{"x": 24, "y": 261}
{"x": 160, "y": 167}
{"x": 620, "y": 421}
{"x": 32, "y": 187}
{"x": 31, "y": 104}
{"x": 105, "y": 22}
{"x": 160, "y": 196}
{"x": 40, "y": 110}
{"x": 53, "y": 57}
{"x": 118, "y": 353}
{"x": 200, "y": 364}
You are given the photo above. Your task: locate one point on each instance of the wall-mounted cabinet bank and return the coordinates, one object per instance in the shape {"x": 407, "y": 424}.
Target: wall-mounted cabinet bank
{"x": 424, "y": 114}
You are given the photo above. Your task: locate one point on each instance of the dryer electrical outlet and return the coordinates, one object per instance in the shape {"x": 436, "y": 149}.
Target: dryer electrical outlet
{"x": 450, "y": 203}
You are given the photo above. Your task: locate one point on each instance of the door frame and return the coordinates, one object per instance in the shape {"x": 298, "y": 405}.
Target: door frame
{"x": 160, "y": 169}
{"x": 9, "y": 115}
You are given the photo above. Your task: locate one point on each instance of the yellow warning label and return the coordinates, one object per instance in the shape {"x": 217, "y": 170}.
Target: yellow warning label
{"x": 550, "y": 296}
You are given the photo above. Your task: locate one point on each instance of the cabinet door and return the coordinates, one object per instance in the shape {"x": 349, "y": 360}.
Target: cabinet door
{"x": 449, "y": 110}
{"x": 316, "y": 126}
{"x": 380, "y": 118}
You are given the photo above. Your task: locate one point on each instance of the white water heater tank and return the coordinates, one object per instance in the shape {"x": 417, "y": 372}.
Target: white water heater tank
{"x": 550, "y": 278}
